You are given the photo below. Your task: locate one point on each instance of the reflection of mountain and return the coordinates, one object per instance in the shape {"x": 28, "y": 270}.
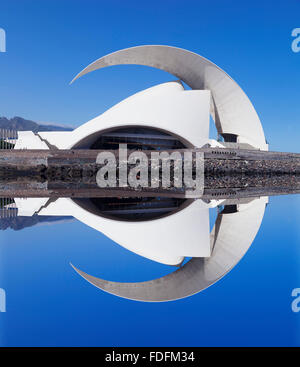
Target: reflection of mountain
{"x": 20, "y": 124}
{"x": 17, "y": 223}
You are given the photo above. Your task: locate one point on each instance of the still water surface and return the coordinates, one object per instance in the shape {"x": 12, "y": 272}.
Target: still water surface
{"x": 49, "y": 304}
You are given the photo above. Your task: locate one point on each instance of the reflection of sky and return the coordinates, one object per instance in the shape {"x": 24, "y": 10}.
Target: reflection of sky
{"x": 49, "y": 304}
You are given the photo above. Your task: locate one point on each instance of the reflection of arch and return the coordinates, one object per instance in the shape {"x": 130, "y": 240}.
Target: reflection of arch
{"x": 231, "y": 237}
{"x": 133, "y": 209}
{"x": 232, "y": 111}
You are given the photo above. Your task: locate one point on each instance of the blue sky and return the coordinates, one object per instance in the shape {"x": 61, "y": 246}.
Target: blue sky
{"x": 49, "y": 42}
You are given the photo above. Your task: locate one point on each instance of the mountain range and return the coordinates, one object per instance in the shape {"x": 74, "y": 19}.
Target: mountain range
{"x": 21, "y": 124}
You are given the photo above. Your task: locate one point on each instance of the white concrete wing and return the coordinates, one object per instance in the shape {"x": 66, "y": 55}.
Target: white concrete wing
{"x": 183, "y": 113}
{"x": 231, "y": 109}
{"x": 231, "y": 237}
{"x": 29, "y": 140}
{"x": 166, "y": 240}
{"x": 29, "y": 206}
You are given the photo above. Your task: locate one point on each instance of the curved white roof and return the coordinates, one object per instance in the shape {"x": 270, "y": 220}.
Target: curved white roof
{"x": 166, "y": 106}
{"x": 231, "y": 109}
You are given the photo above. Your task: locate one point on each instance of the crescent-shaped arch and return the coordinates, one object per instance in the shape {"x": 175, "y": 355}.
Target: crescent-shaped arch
{"x": 231, "y": 237}
{"x": 231, "y": 109}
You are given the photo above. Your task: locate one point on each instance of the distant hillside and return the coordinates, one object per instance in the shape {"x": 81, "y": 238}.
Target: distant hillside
{"x": 18, "y": 223}
{"x": 20, "y": 124}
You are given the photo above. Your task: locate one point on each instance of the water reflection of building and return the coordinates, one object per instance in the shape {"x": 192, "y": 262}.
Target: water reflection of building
{"x": 232, "y": 235}
{"x": 12, "y": 216}
{"x": 178, "y": 229}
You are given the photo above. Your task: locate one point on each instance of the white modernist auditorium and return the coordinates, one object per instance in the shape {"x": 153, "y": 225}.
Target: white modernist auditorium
{"x": 167, "y": 108}
{"x": 169, "y": 116}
